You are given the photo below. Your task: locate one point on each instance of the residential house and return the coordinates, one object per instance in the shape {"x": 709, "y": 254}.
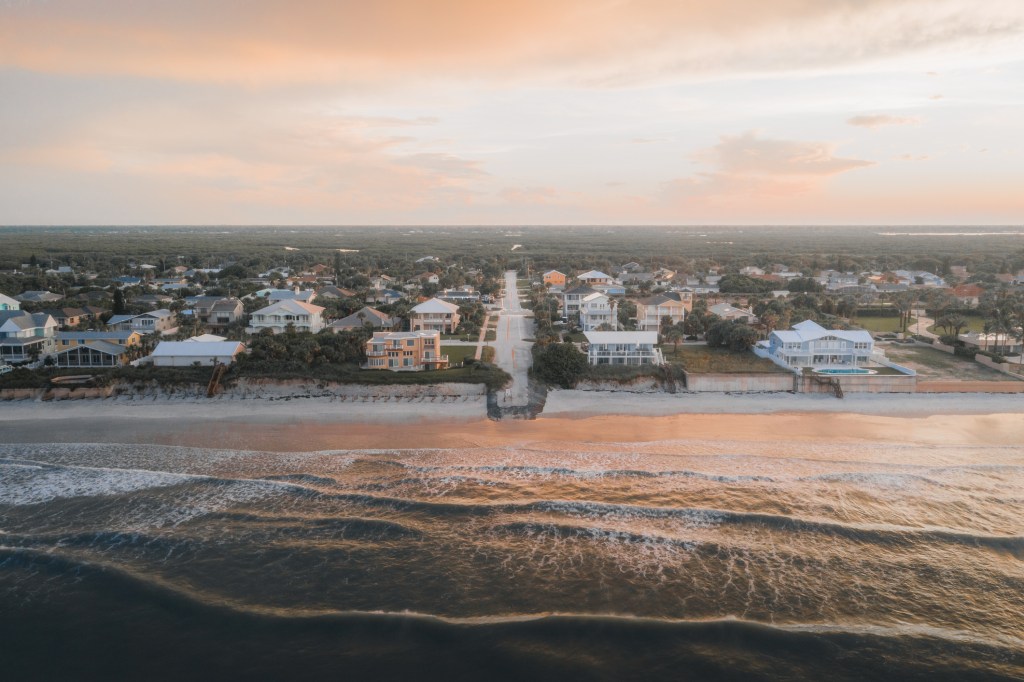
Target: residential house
{"x": 751, "y": 271}
{"x": 596, "y": 310}
{"x": 127, "y": 281}
{"x": 435, "y": 314}
{"x": 413, "y": 351}
{"x": 188, "y": 353}
{"x": 335, "y": 293}
{"x": 95, "y": 353}
{"x": 968, "y": 294}
{"x": 651, "y": 310}
{"x": 808, "y": 344}
{"x": 594, "y": 277}
{"x": 25, "y": 336}
{"x": 1002, "y": 343}
{"x": 118, "y": 337}
{"x": 382, "y": 281}
{"x": 464, "y": 294}
{"x": 157, "y": 321}
{"x": 572, "y": 298}
{"x": 294, "y": 294}
{"x": 218, "y": 312}
{"x": 732, "y": 313}
{"x": 834, "y": 280}
{"x": 384, "y": 296}
{"x": 303, "y": 317}
{"x": 623, "y": 348}
{"x": 38, "y": 297}
{"x": 427, "y": 278}
{"x": 68, "y": 317}
{"x": 8, "y": 303}
{"x": 364, "y": 316}
{"x": 919, "y": 278}
{"x": 165, "y": 282}
{"x": 153, "y": 300}
{"x": 554, "y": 278}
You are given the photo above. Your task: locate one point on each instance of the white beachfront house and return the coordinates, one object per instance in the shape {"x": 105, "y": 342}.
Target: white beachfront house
{"x": 596, "y": 309}
{"x": 304, "y": 317}
{"x": 808, "y": 344}
{"x": 193, "y": 351}
{"x": 623, "y": 348}
{"x": 25, "y": 336}
{"x": 572, "y": 298}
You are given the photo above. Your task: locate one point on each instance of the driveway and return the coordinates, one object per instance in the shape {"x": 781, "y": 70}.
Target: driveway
{"x": 511, "y": 348}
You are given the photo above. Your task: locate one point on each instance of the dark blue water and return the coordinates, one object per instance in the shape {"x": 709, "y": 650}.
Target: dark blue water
{"x": 682, "y": 560}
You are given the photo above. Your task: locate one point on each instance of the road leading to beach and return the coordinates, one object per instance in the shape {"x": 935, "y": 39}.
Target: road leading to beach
{"x": 512, "y": 347}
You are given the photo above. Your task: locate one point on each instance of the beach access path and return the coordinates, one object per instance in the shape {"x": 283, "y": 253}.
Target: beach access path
{"x": 513, "y": 342}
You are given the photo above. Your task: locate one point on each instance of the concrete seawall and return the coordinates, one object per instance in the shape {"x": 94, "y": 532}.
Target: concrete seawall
{"x": 722, "y": 382}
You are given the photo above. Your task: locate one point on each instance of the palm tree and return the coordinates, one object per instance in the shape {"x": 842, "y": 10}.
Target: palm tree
{"x": 675, "y": 336}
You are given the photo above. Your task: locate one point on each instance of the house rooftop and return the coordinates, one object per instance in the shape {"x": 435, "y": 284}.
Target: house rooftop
{"x": 622, "y": 337}
{"x": 197, "y": 349}
{"x": 436, "y": 305}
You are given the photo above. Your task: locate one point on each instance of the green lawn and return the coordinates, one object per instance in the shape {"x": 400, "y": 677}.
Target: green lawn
{"x": 456, "y": 354}
{"x": 575, "y": 337}
{"x": 932, "y": 364}
{"x": 491, "y": 335}
{"x": 883, "y": 324}
{"x": 704, "y": 359}
{"x": 975, "y": 323}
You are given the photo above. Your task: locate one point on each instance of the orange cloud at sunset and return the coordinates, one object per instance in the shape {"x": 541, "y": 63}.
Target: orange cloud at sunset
{"x": 457, "y": 111}
{"x": 263, "y": 41}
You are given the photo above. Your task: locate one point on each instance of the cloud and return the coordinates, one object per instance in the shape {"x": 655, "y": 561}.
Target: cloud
{"x": 753, "y": 170}
{"x": 751, "y": 155}
{"x": 880, "y": 120}
{"x": 529, "y": 195}
{"x": 601, "y": 44}
{"x": 445, "y": 164}
{"x": 241, "y": 161}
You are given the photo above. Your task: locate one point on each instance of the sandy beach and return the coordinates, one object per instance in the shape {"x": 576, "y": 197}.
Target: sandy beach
{"x": 569, "y": 416}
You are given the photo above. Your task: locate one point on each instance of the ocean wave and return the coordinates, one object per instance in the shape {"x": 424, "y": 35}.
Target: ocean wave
{"x": 583, "y": 474}
{"x": 129, "y": 587}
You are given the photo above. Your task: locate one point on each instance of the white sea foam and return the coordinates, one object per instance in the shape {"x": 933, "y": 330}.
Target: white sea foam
{"x": 24, "y": 484}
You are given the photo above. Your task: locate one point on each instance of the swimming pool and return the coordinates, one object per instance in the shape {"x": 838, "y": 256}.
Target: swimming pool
{"x": 851, "y": 370}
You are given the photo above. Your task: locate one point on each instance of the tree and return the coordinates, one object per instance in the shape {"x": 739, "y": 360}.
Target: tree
{"x": 674, "y": 334}
{"x": 560, "y": 364}
{"x": 742, "y": 337}
{"x": 120, "y": 306}
{"x": 952, "y": 324}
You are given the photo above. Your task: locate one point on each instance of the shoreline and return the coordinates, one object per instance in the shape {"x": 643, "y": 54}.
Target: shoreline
{"x": 314, "y": 424}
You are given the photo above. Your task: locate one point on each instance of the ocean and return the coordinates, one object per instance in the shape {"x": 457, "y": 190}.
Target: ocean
{"x": 674, "y": 560}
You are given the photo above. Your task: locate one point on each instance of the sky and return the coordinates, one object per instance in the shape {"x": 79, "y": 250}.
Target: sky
{"x": 883, "y": 112}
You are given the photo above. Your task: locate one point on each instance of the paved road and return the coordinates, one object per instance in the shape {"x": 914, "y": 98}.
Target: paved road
{"x": 511, "y": 349}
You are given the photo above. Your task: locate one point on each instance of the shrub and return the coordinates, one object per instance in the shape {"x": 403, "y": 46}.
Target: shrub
{"x": 559, "y": 364}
